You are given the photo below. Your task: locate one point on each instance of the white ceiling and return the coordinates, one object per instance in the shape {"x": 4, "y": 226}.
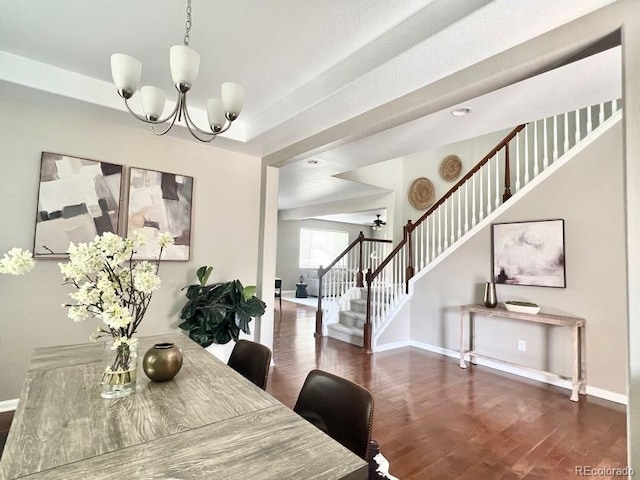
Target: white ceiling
{"x": 307, "y": 66}
{"x": 365, "y": 217}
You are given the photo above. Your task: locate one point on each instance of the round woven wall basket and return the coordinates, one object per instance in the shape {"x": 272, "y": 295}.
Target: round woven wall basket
{"x": 450, "y": 168}
{"x": 421, "y": 193}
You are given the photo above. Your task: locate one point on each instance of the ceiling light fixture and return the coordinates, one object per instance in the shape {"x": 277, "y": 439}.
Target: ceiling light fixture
{"x": 460, "y": 112}
{"x": 184, "y": 63}
{"x": 377, "y": 224}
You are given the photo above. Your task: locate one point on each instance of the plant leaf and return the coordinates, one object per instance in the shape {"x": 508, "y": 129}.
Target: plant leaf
{"x": 203, "y": 274}
{"x": 249, "y": 292}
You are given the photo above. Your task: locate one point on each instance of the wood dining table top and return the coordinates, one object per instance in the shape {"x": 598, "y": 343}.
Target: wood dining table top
{"x": 209, "y": 422}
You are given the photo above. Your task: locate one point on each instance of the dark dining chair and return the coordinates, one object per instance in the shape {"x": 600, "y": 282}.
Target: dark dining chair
{"x": 279, "y": 292}
{"x": 252, "y": 361}
{"x": 338, "y": 407}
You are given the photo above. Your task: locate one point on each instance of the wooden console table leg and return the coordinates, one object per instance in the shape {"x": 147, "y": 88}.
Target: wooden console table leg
{"x": 575, "y": 370}
{"x": 583, "y": 361}
{"x": 462, "y": 315}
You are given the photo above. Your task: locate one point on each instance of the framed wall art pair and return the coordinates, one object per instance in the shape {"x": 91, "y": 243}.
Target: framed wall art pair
{"x": 80, "y": 198}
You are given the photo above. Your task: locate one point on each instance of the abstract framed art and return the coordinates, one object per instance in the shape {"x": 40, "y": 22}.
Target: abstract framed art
{"x": 160, "y": 202}
{"x": 529, "y": 253}
{"x": 77, "y": 200}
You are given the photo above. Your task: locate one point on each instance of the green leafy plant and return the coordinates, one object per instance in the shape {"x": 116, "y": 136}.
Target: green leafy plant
{"x": 217, "y": 313}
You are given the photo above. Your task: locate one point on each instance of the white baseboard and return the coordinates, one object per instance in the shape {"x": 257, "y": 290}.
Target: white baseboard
{"x": 8, "y": 405}
{"x": 392, "y": 346}
{"x": 558, "y": 382}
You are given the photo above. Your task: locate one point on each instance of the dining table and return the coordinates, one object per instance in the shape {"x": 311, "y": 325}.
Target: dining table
{"x": 208, "y": 422}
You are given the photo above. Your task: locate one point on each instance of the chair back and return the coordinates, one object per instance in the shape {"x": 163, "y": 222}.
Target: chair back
{"x": 252, "y": 361}
{"x": 340, "y": 408}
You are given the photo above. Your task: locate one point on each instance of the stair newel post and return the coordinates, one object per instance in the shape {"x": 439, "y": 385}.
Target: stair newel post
{"x": 408, "y": 231}
{"x": 507, "y": 174}
{"x": 366, "y": 340}
{"x": 318, "y": 332}
{"x": 359, "y": 276}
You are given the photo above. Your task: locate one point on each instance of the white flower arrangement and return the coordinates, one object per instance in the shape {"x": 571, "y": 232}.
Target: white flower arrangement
{"x": 110, "y": 285}
{"x": 17, "y": 262}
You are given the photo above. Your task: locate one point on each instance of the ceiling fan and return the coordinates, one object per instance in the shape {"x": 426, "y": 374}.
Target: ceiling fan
{"x": 377, "y": 223}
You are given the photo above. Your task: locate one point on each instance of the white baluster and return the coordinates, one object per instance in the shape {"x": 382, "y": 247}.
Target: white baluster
{"x": 545, "y": 158}
{"x": 453, "y": 227}
{"x": 601, "y": 114}
{"x": 566, "y": 132}
{"x": 439, "y": 229}
{"x": 459, "y": 212}
{"x": 488, "y": 167}
{"x": 481, "y": 197}
{"x": 433, "y": 235}
{"x": 466, "y": 207}
{"x": 589, "y": 122}
{"x": 536, "y": 169}
{"x": 473, "y": 198}
{"x": 426, "y": 241}
{"x": 517, "y": 161}
{"x": 577, "y": 126}
{"x": 446, "y": 224}
{"x": 423, "y": 244}
{"x": 555, "y": 138}
{"x": 526, "y": 154}
{"x": 497, "y": 167}
{"x": 376, "y": 295}
{"x": 417, "y": 240}
{"x": 614, "y": 106}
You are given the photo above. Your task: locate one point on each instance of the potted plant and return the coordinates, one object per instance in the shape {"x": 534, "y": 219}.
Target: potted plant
{"x": 217, "y": 313}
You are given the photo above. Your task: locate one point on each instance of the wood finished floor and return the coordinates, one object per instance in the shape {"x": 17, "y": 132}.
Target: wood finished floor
{"x": 434, "y": 420}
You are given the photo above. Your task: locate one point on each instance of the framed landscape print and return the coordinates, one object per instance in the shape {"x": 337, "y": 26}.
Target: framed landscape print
{"x": 160, "y": 202}
{"x": 77, "y": 200}
{"x": 529, "y": 253}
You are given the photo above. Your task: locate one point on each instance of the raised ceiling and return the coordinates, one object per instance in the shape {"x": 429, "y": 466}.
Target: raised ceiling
{"x": 307, "y": 66}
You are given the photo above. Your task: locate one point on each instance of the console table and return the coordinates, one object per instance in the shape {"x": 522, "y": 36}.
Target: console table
{"x": 578, "y": 340}
{"x": 209, "y": 422}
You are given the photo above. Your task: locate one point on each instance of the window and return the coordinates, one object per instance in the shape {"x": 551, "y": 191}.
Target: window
{"x": 321, "y": 247}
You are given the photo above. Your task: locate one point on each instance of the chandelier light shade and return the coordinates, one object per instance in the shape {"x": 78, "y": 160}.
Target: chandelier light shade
{"x": 185, "y": 64}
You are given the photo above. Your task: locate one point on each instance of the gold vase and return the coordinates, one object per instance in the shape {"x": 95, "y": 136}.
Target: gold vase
{"x": 162, "y": 362}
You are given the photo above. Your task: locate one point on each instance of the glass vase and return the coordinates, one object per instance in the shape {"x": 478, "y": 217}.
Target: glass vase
{"x": 120, "y": 369}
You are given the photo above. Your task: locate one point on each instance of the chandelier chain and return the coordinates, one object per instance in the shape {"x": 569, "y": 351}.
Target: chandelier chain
{"x": 187, "y": 24}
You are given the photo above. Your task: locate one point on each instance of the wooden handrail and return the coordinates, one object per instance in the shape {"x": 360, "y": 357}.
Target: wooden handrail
{"x": 384, "y": 263}
{"x": 470, "y": 173}
{"x": 358, "y": 240}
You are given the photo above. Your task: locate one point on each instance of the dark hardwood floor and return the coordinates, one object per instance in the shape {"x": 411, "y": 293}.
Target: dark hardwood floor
{"x": 5, "y": 423}
{"x": 434, "y": 420}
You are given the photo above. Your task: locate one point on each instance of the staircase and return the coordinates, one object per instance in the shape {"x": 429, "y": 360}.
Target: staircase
{"x": 523, "y": 159}
{"x": 351, "y": 320}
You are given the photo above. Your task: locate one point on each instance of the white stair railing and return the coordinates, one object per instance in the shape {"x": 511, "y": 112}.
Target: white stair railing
{"x": 528, "y": 150}
{"x": 340, "y": 281}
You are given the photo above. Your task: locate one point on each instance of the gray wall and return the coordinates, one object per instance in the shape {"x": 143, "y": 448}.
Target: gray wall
{"x": 289, "y": 245}
{"x": 588, "y": 194}
{"x": 227, "y": 238}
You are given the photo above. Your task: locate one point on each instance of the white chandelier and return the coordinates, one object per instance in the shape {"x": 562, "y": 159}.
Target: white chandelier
{"x": 184, "y": 63}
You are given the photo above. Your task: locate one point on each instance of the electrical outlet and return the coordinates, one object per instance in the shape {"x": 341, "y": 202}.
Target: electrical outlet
{"x": 522, "y": 345}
